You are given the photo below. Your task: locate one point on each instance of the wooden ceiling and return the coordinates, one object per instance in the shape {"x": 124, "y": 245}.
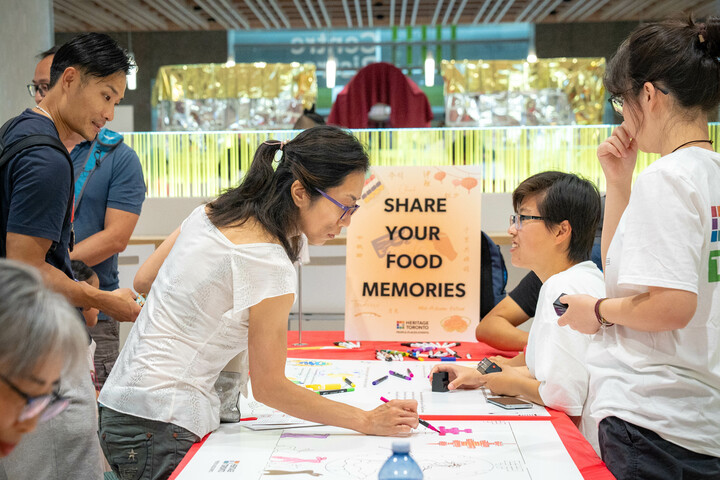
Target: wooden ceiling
{"x": 184, "y": 15}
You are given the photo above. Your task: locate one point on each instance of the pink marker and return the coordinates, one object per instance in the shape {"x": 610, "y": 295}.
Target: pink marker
{"x": 420, "y": 420}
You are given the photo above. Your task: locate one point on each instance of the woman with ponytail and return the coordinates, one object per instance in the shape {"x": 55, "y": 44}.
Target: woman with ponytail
{"x": 222, "y": 288}
{"x": 654, "y": 362}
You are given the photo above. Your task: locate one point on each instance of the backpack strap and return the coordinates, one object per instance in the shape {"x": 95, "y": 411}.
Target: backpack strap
{"x": 40, "y": 140}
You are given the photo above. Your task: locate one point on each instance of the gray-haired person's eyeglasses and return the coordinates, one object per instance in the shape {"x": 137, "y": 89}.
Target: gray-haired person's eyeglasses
{"x": 47, "y": 406}
{"x": 349, "y": 211}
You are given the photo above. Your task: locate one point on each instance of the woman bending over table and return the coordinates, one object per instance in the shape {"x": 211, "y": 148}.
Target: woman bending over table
{"x": 225, "y": 289}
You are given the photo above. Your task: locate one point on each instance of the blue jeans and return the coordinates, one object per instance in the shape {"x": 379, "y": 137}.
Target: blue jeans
{"x": 141, "y": 449}
{"x": 632, "y": 452}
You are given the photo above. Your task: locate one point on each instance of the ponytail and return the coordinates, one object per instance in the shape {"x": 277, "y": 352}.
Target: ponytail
{"x": 319, "y": 158}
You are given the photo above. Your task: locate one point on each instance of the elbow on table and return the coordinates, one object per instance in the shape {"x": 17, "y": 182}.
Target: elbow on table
{"x": 265, "y": 392}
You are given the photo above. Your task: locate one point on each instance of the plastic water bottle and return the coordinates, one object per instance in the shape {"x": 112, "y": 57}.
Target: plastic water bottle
{"x": 400, "y": 465}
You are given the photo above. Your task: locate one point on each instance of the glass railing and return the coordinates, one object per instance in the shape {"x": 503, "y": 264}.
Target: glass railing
{"x": 203, "y": 164}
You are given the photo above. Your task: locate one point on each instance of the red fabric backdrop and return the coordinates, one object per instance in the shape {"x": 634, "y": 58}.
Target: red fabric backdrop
{"x": 381, "y": 83}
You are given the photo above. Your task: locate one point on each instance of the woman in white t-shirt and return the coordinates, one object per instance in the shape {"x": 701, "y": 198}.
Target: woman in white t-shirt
{"x": 655, "y": 365}
{"x": 553, "y": 233}
{"x": 225, "y": 289}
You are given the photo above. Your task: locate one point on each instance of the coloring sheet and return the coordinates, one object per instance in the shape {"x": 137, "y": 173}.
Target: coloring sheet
{"x": 464, "y": 450}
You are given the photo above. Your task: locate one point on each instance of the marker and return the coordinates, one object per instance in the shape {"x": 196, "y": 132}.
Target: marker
{"x": 339, "y": 390}
{"x": 448, "y": 359}
{"x": 410, "y": 373}
{"x": 347, "y": 380}
{"x": 381, "y": 379}
{"x": 422, "y": 422}
{"x": 468, "y": 356}
{"x": 399, "y": 375}
{"x": 331, "y": 386}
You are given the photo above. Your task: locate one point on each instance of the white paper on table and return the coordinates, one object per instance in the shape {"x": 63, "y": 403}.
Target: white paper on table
{"x": 511, "y": 450}
{"x": 277, "y": 420}
{"x": 367, "y": 396}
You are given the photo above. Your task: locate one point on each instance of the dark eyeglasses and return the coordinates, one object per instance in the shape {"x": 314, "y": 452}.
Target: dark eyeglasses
{"x": 47, "y": 406}
{"x": 518, "y": 220}
{"x": 41, "y": 88}
{"x": 617, "y": 101}
{"x": 349, "y": 211}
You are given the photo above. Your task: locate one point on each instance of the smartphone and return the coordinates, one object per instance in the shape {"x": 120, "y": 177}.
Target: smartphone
{"x": 509, "y": 403}
{"x": 560, "y": 307}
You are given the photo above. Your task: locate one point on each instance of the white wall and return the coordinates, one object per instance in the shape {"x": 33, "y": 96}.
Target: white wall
{"x": 27, "y": 29}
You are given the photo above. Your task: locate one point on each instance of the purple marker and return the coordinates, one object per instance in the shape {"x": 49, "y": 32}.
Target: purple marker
{"x": 399, "y": 375}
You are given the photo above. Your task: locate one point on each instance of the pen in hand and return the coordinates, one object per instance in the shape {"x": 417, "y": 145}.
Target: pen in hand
{"x": 420, "y": 420}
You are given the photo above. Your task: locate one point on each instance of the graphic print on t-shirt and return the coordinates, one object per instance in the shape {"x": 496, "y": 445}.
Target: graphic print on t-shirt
{"x": 714, "y": 258}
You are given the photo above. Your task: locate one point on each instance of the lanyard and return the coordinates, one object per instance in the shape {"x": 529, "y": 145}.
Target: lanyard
{"x": 103, "y": 144}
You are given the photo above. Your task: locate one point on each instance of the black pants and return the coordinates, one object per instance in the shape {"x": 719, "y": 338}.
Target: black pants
{"x": 636, "y": 453}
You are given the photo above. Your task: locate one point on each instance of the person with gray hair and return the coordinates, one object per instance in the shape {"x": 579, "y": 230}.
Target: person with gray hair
{"x": 40, "y": 338}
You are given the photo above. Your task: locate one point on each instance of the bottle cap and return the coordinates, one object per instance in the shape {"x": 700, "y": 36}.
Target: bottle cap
{"x": 401, "y": 447}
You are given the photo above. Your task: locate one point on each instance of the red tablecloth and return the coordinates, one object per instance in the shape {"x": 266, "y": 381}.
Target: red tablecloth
{"x": 590, "y": 465}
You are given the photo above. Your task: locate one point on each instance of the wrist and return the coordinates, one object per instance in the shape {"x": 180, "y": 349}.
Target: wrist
{"x": 598, "y": 315}
{"x": 90, "y": 297}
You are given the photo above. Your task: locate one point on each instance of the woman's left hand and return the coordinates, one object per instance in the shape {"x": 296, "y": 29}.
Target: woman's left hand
{"x": 580, "y": 314}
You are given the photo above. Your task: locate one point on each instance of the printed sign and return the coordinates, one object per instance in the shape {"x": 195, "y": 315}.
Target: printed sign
{"x": 413, "y": 255}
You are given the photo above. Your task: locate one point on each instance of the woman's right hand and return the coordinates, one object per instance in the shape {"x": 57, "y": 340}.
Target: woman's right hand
{"x": 617, "y": 155}
{"x": 396, "y": 417}
{"x": 459, "y": 376}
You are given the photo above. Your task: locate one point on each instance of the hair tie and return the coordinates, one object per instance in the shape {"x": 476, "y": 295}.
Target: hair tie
{"x": 702, "y": 32}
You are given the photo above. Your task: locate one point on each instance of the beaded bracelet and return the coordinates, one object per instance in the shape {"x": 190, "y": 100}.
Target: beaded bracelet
{"x": 603, "y": 323}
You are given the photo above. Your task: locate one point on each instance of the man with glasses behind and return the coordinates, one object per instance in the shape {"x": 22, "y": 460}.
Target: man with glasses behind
{"x": 41, "y": 335}
{"x": 41, "y": 80}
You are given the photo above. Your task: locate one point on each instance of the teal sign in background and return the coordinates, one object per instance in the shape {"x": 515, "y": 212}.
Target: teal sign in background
{"x": 404, "y": 47}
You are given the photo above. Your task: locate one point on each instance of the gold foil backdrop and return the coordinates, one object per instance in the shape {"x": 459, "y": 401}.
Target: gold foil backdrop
{"x": 551, "y": 91}
{"x": 243, "y": 96}
{"x": 203, "y": 164}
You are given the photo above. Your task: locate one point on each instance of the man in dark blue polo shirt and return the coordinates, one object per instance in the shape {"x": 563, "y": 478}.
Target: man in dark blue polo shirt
{"x": 108, "y": 200}
{"x": 87, "y": 81}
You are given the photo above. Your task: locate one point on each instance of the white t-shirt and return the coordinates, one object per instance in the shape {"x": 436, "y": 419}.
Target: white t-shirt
{"x": 555, "y": 355}
{"x": 667, "y": 382}
{"x": 194, "y": 322}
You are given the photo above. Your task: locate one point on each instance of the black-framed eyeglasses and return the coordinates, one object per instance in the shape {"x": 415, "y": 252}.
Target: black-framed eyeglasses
{"x": 349, "y": 211}
{"x": 41, "y": 88}
{"x": 518, "y": 219}
{"x": 617, "y": 101}
{"x": 47, "y": 406}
